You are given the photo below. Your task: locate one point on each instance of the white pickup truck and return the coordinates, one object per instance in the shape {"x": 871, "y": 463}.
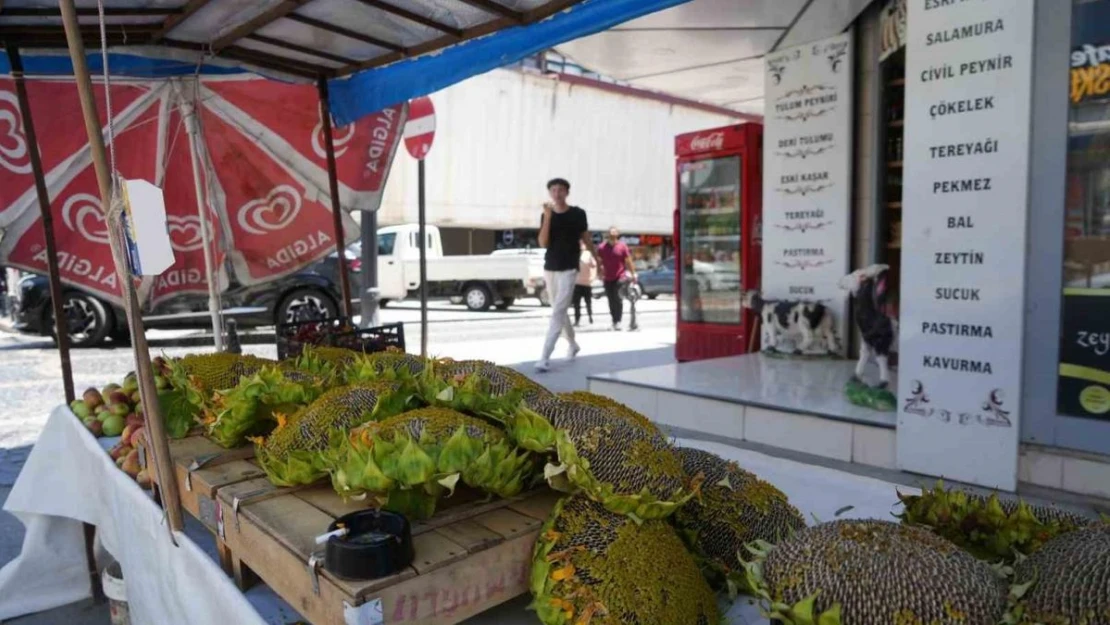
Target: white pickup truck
{"x": 479, "y": 281}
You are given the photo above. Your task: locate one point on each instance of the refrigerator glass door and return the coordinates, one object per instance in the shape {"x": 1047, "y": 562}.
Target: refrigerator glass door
{"x": 710, "y": 223}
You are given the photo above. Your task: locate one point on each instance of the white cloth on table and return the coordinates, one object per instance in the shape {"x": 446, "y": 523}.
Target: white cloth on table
{"x": 68, "y": 479}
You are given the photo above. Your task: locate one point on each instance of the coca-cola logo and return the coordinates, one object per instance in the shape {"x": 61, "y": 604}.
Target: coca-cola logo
{"x": 271, "y": 213}
{"x": 185, "y": 233}
{"x": 14, "y": 155}
{"x": 712, "y": 141}
{"x": 83, "y": 214}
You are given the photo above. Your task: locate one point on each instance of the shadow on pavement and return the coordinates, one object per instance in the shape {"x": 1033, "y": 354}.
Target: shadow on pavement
{"x": 573, "y": 375}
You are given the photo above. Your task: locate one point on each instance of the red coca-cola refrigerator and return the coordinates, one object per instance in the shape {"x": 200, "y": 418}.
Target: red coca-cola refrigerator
{"x": 717, "y": 238}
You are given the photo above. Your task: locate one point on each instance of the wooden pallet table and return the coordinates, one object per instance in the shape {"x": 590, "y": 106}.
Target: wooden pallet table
{"x": 472, "y": 555}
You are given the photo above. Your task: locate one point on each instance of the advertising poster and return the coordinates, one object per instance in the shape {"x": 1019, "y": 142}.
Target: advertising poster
{"x": 807, "y": 183}
{"x": 965, "y": 208}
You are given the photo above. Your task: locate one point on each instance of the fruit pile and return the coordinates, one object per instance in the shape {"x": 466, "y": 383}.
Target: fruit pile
{"x": 117, "y": 410}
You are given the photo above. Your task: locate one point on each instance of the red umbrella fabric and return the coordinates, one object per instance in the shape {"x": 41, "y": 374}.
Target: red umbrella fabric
{"x": 263, "y": 174}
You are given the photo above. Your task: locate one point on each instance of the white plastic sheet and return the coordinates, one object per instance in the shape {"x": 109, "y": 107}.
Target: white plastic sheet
{"x": 67, "y": 480}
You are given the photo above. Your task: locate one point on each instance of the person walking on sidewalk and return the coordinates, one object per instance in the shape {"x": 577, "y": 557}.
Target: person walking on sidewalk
{"x": 583, "y": 286}
{"x": 563, "y": 230}
{"x": 617, "y": 268}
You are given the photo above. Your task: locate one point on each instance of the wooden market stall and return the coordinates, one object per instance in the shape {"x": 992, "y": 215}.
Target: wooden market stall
{"x": 473, "y": 554}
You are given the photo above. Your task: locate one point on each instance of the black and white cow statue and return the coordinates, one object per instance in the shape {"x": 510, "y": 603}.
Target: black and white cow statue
{"x": 877, "y": 327}
{"x": 809, "y": 325}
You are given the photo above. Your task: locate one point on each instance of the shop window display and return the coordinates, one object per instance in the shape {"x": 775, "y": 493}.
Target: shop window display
{"x": 1084, "y": 386}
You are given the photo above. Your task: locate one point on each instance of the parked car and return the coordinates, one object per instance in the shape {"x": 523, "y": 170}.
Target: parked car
{"x": 658, "y": 280}
{"x": 312, "y": 293}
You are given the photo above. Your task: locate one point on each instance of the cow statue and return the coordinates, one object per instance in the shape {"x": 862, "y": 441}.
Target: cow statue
{"x": 877, "y": 327}
{"x": 809, "y": 325}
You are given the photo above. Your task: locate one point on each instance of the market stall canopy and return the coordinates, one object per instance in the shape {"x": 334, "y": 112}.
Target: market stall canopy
{"x": 710, "y": 50}
{"x": 375, "y": 53}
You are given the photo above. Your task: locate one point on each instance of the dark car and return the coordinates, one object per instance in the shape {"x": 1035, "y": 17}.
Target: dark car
{"x": 312, "y": 293}
{"x": 658, "y": 280}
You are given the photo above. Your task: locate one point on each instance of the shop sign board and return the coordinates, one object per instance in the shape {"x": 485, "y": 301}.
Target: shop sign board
{"x": 1084, "y": 384}
{"x": 965, "y": 206}
{"x": 1090, "y": 73}
{"x": 807, "y": 175}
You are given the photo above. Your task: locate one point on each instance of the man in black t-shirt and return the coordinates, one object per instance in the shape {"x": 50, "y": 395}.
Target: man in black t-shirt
{"x": 562, "y": 228}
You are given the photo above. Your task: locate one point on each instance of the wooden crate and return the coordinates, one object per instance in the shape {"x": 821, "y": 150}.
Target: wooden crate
{"x": 474, "y": 554}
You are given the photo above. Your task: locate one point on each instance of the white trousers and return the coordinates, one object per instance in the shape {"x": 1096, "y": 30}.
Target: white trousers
{"x": 560, "y": 288}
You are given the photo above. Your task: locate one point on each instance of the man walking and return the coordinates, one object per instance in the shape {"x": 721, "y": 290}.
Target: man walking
{"x": 617, "y": 268}
{"x": 563, "y": 230}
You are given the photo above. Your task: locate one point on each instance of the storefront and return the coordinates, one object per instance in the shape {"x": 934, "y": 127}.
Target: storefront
{"x": 979, "y": 138}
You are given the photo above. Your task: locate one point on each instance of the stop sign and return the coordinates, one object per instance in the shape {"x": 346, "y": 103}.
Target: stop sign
{"x": 421, "y": 127}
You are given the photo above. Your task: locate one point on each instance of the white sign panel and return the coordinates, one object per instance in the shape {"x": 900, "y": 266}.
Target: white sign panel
{"x": 968, "y": 92}
{"x": 807, "y": 143}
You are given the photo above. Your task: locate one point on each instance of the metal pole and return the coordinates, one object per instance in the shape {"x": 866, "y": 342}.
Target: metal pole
{"x": 47, "y": 221}
{"x": 193, "y": 130}
{"x": 421, "y": 218}
{"x": 336, "y": 208}
{"x": 55, "y": 280}
{"x": 160, "y": 448}
{"x": 370, "y": 293}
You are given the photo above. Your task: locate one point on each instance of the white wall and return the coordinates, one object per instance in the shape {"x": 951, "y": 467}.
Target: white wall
{"x": 500, "y": 136}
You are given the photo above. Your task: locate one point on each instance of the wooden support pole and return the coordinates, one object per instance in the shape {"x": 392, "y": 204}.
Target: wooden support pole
{"x": 155, "y": 426}
{"x": 47, "y": 221}
{"x": 61, "y": 326}
{"x": 336, "y": 208}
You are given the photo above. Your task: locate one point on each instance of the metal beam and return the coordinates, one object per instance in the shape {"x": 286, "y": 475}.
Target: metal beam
{"x": 264, "y": 18}
{"x": 481, "y": 30}
{"x": 285, "y": 45}
{"x": 259, "y": 59}
{"x": 500, "y": 10}
{"x": 336, "y": 207}
{"x": 90, "y": 12}
{"x": 339, "y": 30}
{"x": 186, "y": 11}
{"x": 413, "y": 17}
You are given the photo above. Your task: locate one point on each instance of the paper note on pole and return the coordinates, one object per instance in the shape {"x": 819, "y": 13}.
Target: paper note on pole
{"x": 148, "y": 239}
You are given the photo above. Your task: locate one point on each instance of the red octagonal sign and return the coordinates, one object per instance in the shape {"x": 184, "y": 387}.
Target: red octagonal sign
{"x": 421, "y": 127}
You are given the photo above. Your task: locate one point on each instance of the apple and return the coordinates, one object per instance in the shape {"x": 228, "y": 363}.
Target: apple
{"x": 113, "y": 425}
{"x": 93, "y": 398}
{"x": 120, "y": 410}
{"x": 119, "y": 451}
{"x": 103, "y": 414}
{"x": 119, "y": 397}
{"x": 137, "y": 436}
{"x": 131, "y": 383}
{"x": 143, "y": 479}
{"x": 136, "y": 397}
{"x": 131, "y": 463}
{"x": 125, "y": 437}
{"x": 119, "y": 462}
{"x": 109, "y": 389}
{"x": 80, "y": 408}
{"x": 96, "y": 427}
{"x": 133, "y": 420}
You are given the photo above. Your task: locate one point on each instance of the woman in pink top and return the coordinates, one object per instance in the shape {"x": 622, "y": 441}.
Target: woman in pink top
{"x": 583, "y": 285}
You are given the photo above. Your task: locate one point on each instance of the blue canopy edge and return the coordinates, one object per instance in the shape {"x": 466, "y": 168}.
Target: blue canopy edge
{"x": 373, "y": 90}
{"x": 36, "y": 63}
